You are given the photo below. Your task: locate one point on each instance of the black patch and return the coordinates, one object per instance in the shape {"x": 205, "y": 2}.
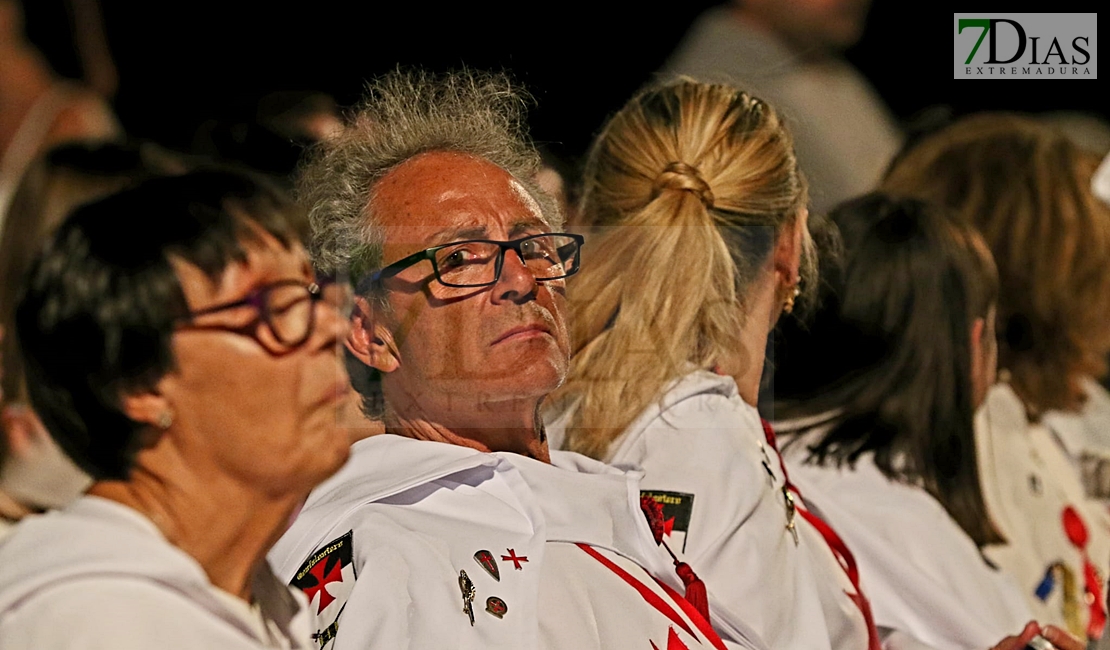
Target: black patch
{"x": 677, "y": 508}
{"x": 327, "y": 578}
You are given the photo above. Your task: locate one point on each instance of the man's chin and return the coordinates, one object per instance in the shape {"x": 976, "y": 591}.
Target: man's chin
{"x": 510, "y": 385}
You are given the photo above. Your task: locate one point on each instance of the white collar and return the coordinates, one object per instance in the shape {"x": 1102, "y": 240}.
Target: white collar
{"x": 384, "y": 465}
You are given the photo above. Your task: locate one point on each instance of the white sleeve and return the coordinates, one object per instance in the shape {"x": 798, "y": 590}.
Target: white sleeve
{"x": 115, "y": 613}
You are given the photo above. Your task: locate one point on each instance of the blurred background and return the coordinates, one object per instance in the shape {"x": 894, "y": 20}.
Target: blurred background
{"x": 182, "y": 73}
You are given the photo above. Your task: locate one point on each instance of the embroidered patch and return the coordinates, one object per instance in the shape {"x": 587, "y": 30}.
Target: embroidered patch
{"x": 677, "y": 507}
{"x": 327, "y": 578}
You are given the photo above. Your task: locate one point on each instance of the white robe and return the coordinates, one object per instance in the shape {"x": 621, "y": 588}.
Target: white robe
{"x": 1085, "y": 435}
{"x": 1028, "y": 480}
{"x": 99, "y": 575}
{"x": 924, "y": 575}
{"x": 702, "y": 450}
{"x": 418, "y": 513}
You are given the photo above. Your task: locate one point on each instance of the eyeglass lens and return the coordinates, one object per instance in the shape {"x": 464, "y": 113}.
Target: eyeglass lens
{"x": 548, "y": 257}
{"x": 290, "y": 309}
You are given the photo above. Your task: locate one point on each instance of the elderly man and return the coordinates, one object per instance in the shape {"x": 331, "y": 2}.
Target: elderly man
{"x": 427, "y": 200}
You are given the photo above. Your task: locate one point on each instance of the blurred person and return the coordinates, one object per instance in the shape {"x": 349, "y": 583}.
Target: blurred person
{"x": 472, "y": 533}
{"x": 1027, "y": 188}
{"x": 34, "y": 473}
{"x": 883, "y": 442}
{"x": 38, "y": 109}
{"x": 270, "y": 133}
{"x": 789, "y": 53}
{"x": 191, "y": 369}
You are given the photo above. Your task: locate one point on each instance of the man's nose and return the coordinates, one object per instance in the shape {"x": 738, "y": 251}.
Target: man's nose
{"x": 517, "y": 283}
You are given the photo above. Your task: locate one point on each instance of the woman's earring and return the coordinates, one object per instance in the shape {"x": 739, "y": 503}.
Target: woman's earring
{"x": 165, "y": 419}
{"x": 788, "y": 306}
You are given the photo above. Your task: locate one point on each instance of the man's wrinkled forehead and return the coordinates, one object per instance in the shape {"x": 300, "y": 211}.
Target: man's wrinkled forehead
{"x": 445, "y": 196}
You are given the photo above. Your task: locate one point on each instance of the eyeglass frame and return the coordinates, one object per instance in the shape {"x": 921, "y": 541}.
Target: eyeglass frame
{"x": 258, "y": 299}
{"x": 400, "y": 265}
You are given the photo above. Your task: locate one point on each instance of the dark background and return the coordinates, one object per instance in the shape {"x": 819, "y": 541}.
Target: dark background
{"x": 184, "y": 64}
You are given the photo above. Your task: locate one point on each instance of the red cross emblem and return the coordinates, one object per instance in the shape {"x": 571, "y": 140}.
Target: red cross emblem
{"x": 322, "y": 581}
{"x": 514, "y": 558}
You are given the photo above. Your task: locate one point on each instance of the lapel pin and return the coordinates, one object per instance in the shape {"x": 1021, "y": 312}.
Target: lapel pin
{"x": 485, "y": 559}
{"x": 496, "y": 606}
{"x": 514, "y": 558}
{"x": 467, "y": 588}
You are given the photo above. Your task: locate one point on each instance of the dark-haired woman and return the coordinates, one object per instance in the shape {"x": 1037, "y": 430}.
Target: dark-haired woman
{"x": 902, "y": 349}
{"x": 180, "y": 351}
{"x": 1027, "y": 189}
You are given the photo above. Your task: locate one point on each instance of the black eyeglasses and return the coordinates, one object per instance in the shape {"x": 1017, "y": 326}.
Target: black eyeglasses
{"x": 287, "y": 307}
{"x": 478, "y": 262}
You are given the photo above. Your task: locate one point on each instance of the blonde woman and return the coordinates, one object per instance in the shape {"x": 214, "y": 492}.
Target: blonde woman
{"x": 700, "y": 216}
{"x": 1027, "y": 189}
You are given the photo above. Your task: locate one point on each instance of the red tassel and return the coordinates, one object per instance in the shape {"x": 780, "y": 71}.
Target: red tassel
{"x": 653, "y": 510}
{"x": 695, "y": 589}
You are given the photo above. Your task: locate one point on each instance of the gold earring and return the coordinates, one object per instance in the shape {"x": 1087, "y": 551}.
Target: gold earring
{"x": 165, "y": 419}
{"x": 788, "y": 306}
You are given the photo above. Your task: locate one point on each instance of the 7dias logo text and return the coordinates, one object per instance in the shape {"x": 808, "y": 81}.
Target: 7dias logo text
{"x": 1025, "y": 46}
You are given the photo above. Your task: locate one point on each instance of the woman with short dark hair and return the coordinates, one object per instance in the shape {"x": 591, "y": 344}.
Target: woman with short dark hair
{"x": 180, "y": 351}
{"x": 34, "y": 474}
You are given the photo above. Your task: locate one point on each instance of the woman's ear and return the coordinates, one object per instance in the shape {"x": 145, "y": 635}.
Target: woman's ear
{"x": 149, "y": 407}
{"x": 369, "y": 340}
{"x": 984, "y": 357}
{"x": 787, "y": 257}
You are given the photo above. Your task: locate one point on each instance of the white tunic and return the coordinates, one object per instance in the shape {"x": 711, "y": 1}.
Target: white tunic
{"x": 1085, "y": 435}
{"x": 703, "y": 453}
{"x": 398, "y": 525}
{"x": 99, "y": 575}
{"x": 924, "y": 575}
{"x": 1029, "y": 480}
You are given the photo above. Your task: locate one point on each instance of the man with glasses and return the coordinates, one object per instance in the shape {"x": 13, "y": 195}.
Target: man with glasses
{"x": 490, "y": 540}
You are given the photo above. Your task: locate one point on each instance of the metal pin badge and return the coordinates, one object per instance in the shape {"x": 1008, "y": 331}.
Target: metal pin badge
{"x": 767, "y": 464}
{"x": 496, "y": 606}
{"x": 467, "y": 588}
{"x": 791, "y": 511}
{"x": 487, "y": 562}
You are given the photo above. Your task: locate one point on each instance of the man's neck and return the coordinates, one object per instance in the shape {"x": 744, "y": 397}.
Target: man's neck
{"x": 226, "y": 526}
{"x": 517, "y": 429}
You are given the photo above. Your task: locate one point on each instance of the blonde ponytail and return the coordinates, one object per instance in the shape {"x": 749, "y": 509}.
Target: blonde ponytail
{"x": 685, "y": 188}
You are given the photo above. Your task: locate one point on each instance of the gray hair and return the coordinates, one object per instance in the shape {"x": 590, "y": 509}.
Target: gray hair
{"x": 407, "y": 113}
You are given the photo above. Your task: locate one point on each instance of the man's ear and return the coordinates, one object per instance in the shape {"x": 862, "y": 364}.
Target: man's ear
{"x": 369, "y": 340}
